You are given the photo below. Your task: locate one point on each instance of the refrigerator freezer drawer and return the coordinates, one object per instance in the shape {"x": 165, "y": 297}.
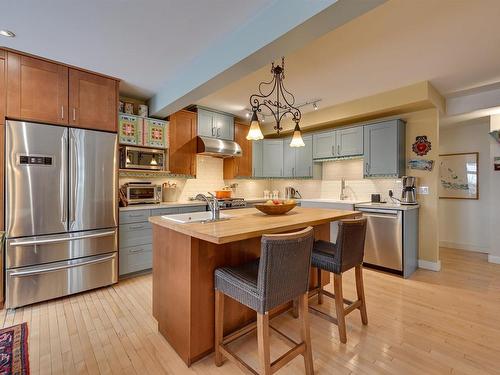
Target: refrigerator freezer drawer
{"x": 29, "y": 285}
{"x": 28, "y": 251}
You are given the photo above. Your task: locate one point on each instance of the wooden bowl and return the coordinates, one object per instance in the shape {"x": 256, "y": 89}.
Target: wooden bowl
{"x": 278, "y": 209}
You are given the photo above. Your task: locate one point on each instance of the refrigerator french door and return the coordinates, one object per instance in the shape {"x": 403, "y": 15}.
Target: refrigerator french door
{"x": 60, "y": 211}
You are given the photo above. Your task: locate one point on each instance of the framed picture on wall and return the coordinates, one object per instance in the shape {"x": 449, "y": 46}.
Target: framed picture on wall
{"x": 459, "y": 176}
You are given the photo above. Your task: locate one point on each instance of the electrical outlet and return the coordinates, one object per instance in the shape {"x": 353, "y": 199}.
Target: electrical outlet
{"x": 424, "y": 190}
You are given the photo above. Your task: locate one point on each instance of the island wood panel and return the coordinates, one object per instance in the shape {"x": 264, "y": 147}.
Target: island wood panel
{"x": 93, "y": 101}
{"x": 3, "y": 88}
{"x": 182, "y": 150}
{"x": 249, "y": 222}
{"x": 240, "y": 166}
{"x": 183, "y": 288}
{"x": 37, "y": 90}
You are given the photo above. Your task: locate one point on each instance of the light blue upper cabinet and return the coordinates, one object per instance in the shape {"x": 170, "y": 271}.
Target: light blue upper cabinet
{"x": 304, "y": 158}
{"x": 384, "y": 149}
{"x": 257, "y": 151}
{"x": 272, "y": 158}
{"x": 324, "y": 145}
{"x": 349, "y": 141}
{"x": 206, "y": 127}
{"x": 224, "y": 126}
{"x": 288, "y": 158}
{"x": 215, "y": 125}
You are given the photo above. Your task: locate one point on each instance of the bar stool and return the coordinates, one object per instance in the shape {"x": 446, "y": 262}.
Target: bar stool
{"x": 337, "y": 258}
{"x": 281, "y": 275}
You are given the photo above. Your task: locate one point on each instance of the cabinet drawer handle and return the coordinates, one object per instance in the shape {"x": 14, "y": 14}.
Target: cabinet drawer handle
{"x": 333, "y": 150}
{"x": 213, "y": 131}
{"x": 367, "y": 168}
{"x": 62, "y": 112}
{"x": 338, "y": 149}
{"x": 135, "y": 215}
{"x": 139, "y": 250}
{"x": 293, "y": 171}
{"x": 218, "y": 132}
{"x": 74, "y": 114}
{"x": 136, "y": 227}
{"x": 310, "y": 171}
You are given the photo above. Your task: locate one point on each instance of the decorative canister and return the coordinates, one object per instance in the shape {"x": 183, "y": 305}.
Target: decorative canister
{"x": 143, "y": 110}
{"x": 121, "y": 106}
{"x": 169, "y": 193}
{"x": 129, "y": 108}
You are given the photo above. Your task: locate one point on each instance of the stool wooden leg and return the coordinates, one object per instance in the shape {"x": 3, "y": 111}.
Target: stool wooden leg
{"x": 219, "y": 326}
{"x": 305, "y": 334}
{"x": 320, "y": 287}
{"x": 339, "y": 307}
{"x": 360, "y": 289}
{"x": 295, "y": 309}
{"x": 263, "y": 343}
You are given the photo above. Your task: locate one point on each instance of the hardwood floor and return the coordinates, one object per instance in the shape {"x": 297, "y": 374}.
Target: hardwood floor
{"x": 435, "y": 323}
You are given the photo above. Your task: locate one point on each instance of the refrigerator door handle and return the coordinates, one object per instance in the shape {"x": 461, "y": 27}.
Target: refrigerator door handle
{"x": 63, "y": 191}
{"x": 73, "y": 176}
{"x": 60, "y": 239}
{"x": 58, "y": 268}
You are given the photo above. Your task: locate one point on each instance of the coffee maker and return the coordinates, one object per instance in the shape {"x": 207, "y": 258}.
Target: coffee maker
{"x": 409, "y": 193}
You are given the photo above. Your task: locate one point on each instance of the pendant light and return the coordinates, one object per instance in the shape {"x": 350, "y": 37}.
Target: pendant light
{"x": 297, "y": 140}
{"x": 277, "y": 100}
{"x": 254, "y": 133}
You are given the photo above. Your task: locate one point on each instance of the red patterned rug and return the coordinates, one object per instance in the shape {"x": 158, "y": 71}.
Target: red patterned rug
{"x": 14, "y": 350}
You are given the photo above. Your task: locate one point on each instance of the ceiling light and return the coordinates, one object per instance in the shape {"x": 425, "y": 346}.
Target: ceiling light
{"x": 254, "y": 133}
{"x": 315, "y": 106}
{"x": 247, "y": 115}
{"x": 7, "y": 33}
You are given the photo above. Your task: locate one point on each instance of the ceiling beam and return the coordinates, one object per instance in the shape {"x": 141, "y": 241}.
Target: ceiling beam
{"x": 277, "y": 30}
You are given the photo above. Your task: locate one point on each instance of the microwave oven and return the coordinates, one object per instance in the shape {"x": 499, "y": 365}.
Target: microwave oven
{"x": 142, "y": 192}
{"x": 142, "y": 158}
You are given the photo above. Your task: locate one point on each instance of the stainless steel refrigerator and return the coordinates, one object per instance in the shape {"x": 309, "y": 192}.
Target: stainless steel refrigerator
{"x": 60, "y": 211}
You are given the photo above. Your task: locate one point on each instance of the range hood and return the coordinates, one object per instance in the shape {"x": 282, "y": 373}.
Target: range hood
{"x": 219, "y": 148}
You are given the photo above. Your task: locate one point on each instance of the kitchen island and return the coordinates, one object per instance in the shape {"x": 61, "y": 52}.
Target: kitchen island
{"x": 186, "y": 255}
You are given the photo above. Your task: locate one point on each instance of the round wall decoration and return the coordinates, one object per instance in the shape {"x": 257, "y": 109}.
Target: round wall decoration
{"x": 421, "y": 146}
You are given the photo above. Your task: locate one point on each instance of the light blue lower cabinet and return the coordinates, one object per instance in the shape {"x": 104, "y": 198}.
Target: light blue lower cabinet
{"x": 136, "y": 237}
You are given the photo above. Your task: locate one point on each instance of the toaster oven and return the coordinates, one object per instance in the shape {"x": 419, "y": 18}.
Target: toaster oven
{"x": 143, "y": 192}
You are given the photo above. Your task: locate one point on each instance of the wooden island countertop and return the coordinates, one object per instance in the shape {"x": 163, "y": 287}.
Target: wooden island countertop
{"x": 185, "y": 257}
{"x": 248, "y": 223}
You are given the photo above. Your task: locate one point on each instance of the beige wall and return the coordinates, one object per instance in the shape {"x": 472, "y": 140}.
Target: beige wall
{"x": 426, "y": 123}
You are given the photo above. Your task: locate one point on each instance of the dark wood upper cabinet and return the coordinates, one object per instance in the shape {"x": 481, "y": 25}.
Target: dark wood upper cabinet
{"x": 240, "y": 166}
{"x": 182, "y": 151}
{"x": 36, "y": 89}
{"x": 92, "y": 101}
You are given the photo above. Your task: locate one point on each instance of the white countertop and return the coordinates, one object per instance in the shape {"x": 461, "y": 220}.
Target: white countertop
{"x": 154, "y": 206}
{"x": 387, "y": 206}
{"x": 330, "y": 200}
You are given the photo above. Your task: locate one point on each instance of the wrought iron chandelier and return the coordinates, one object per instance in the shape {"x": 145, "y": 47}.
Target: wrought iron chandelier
{"x": 274, "y": 96}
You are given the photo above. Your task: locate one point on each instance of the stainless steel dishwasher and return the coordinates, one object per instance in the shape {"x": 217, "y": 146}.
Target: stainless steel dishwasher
{"x": 384, "y": 238}
{"x": 391, "y": 238}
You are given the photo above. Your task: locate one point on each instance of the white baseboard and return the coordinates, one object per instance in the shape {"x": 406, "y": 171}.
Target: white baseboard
{"x": 464, "y": 246}
{"x": 427, "y": 265}
{"x": 493, "y": 259}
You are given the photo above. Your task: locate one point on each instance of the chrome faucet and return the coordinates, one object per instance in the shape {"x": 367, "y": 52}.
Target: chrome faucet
{"x": 343, "y": 195}
{"x": 213, "y": 204}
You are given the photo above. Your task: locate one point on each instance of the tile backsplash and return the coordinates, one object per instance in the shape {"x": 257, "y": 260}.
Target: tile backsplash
{"x": 210, "y": 178}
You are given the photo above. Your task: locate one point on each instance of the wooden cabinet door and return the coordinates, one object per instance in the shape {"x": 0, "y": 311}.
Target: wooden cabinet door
{"x": 92, "y": 101}
{"x": 240, "y": 166}
{"x": 182, "y": 150}
{"x": 350, "y": 141}
{"x": 36, "y": 90}
{"x": 273, "y": 158}
{"x": 324, "y": 145}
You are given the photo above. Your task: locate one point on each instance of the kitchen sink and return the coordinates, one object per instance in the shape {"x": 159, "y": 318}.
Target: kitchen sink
{"x": 194, "y": 217}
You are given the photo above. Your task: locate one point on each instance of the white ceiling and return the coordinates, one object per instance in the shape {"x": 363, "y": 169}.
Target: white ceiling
{"x": 452, "y": 43}
{"x": 142, "y": 42}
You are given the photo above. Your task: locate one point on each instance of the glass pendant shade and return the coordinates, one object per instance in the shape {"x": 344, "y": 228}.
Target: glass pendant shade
{"x": 297, "y": 140}
{"x": 254, "y": 133}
